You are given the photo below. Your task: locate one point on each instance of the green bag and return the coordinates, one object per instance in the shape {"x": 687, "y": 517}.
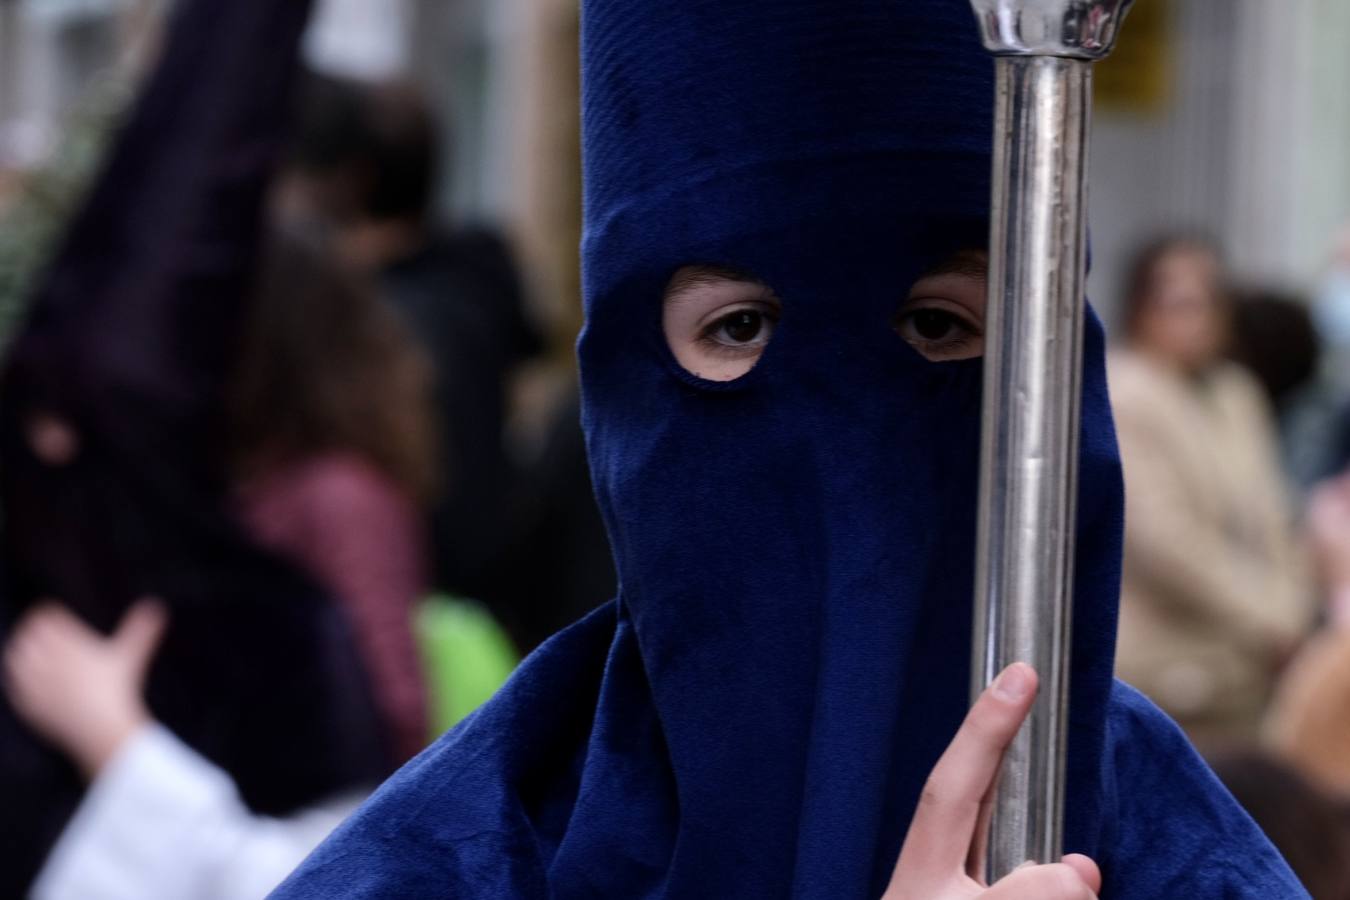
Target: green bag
{"x": 465, "y": 655}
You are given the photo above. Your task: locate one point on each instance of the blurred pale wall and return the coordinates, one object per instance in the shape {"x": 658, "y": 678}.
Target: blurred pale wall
{"x": 1231, "y": 116}
{"x": 50, "y": 50}
{"x": 508, "y": 77}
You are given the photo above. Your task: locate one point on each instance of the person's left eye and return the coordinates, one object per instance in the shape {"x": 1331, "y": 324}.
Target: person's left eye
{"x": 940, "y": 330}
{"x": 943, "y": 316}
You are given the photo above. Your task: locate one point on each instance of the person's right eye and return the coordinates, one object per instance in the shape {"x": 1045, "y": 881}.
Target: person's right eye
{"x": 740, "y": 330}
{"x": 717, "y": 323}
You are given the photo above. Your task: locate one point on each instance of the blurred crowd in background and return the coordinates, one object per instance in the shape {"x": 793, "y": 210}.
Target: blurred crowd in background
{"x": 403, "y": 428}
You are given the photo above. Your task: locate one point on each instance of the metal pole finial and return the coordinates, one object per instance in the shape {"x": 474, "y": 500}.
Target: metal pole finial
{"x": 1073, "y": 29}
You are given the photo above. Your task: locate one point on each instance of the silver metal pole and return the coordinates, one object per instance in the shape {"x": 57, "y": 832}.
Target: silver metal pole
{"x": 1033, "y": 359}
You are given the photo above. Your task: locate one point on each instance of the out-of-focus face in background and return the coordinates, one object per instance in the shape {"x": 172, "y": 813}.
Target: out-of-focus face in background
{"x": 1180, "y": 313}
{"x": 364, "y": 168}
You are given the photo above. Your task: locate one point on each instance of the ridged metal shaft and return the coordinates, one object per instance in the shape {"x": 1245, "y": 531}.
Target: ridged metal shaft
{"x": 1044, "y": 52}
{"x": 1033, "y": 362}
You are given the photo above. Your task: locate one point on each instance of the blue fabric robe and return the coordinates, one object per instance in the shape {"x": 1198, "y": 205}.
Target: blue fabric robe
{"x": 755, "y": 714}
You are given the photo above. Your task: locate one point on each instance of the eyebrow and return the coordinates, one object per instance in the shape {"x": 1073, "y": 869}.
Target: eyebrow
{"x": 691, "y": 277}
{"x": 970, "y": 262}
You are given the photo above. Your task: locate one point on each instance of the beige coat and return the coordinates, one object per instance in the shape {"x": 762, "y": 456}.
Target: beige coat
{"x": 1215, "y": 586}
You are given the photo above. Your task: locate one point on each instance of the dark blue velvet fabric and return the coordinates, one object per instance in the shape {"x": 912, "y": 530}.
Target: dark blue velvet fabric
{"x": 756, "y": 713}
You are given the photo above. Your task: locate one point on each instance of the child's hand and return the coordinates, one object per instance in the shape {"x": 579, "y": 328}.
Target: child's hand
{"x": 945, "y": 840}
{"x": 78, "y": 689}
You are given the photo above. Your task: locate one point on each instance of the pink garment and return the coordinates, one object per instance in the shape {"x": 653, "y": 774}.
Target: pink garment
{"x": 357, "y": 534}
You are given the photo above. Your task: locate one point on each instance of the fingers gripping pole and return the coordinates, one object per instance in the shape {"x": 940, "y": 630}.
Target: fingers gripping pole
{"x": 1044, "y": 52}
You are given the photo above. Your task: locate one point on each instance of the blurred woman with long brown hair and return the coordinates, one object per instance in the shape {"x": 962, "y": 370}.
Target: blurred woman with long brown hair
{"x": 331, "y": 446}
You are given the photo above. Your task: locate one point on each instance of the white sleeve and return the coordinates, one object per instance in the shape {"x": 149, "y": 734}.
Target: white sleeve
{"x": 162, "y": 823}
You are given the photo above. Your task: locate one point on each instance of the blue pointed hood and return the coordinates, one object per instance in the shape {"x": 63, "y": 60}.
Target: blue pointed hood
{"x": 755, "y": 715}
{"x": 820, "y": 510}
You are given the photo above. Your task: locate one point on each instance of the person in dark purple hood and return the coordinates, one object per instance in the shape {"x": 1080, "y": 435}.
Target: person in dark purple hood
{"x": 112, "y": 472}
